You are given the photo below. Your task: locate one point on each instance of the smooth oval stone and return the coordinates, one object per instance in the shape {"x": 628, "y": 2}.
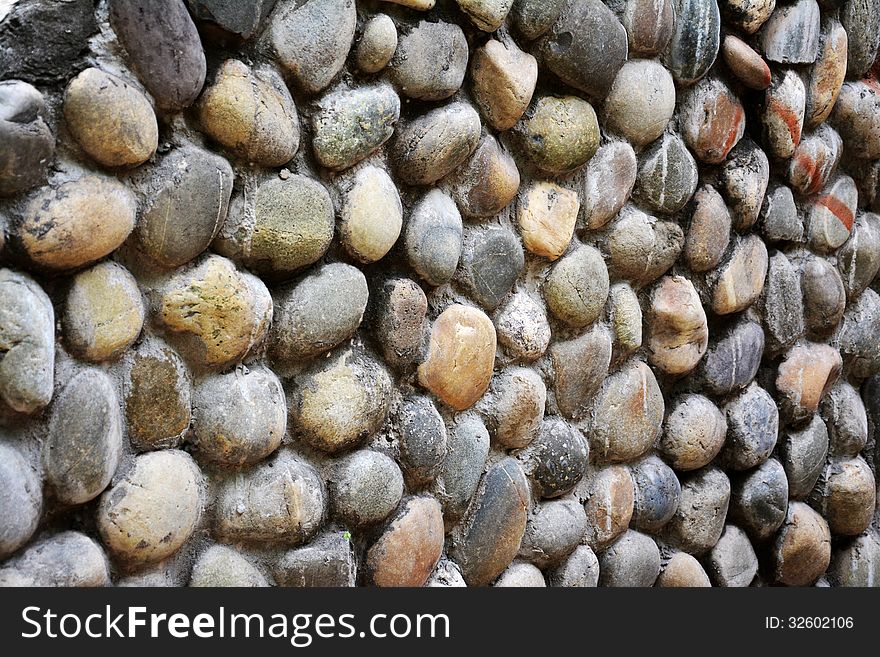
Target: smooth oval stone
{"x": 488, "y": 15}
{"x": 241, "y": 19}
{"x": 112, "y": 121}
{"x": 422, "y": 440}
{"x": 657, "y": 494}
{"x": 554, "y": 530}
{"x": 215, "y": 313}
{"x": 857, "y": 564}
{"x": 683, "y": 570}
{"x": 21, "y": 500}
{"x": 577, "y": 287}
{"x": 693, "y": 433}
{"x": 668, "y": 175}
{"x": 826, "y": 77}
{"x": 733, "y": 359}
{"x": 858, "y": 260}
{"x": 409, "y": 547}
{"x": 27, "y": 144}
{"x": 708, "y": 233}
{"x": 467, "y": 443}
{"x": 639, "y": 248}
{"x": 783, "y": 318}
{"x": 846, "y": 419}
{"x": 27, "y": 337}
{"x": 521, "y": 575}
{"x": 649, "y": 25}
{"x": 504, "y": 79}
{"x": 695, "y": 40}
{"x": 626, "y": 318}
{"x": 558, "y": 134}
{"x": 815, "y": 160}
{"x": 748, "y": 15}
{"x": 430, "y": 61}
{"x": 608, "y": 502}
{"x": 783, "y": 115}
{"x": 280, "y": 501}
{"x": 490, "y": 534}
{"x": 752, "y": 429}
{"x": 791, "y": 34}
{"x": 847, "y": 496}
{"x": 824, "y": 295}
{"x": 377, "y": 44}
{"x": 164, "y": 48}
{"x": 739, "y": 281}
{"x": 77, "y": 223}
{"x": 609, "y": 179}
{"x": 779, "y": 216}
{"x": 399, "y": 312}
{"x": 223, "y": 566}
{"x": 831, "y": 214}
{"x": 678, "y": 334}
{"x": 434, "y": 238}
{"x": 492, "y": 259}
{"x": 856, "y": 117}
{"x": 712, "y": 119}
{"x": 585, "y": 47}
{"x": 633, "y": 561}
{"x": 557, "y": 458}
{"x": 759, "y": 499}
{"x": 533, "y": 18}
{"x": 67, "y": 559}
{"x": 365, "y": 487}
{"x": 228, "y": 114}
{"x": 311, "y": 39}
{"x": 801, "y": 550}
{"x": 579, "y": 367}
{"x": 186, "y": 198}
{"x": 699, "y": 520}
{"x": 862, "y": 22}
{"x": 239, "y": 417}
{"x": 150, "y": 513}
{"x": 732, "y": 562}
{"x": 522, "y": 327}
{"x": 434, "y": 144}
{"x": 487, "y": 182}
{"x": 857, "y": 335}
{"x": 461, "y": 355}
{"x": 803, "y": 454}
{"x": 805, "y": 376}
{"x": 280, "y": 227}
{"x": 617, "y": 436}
{"x": 640, "y": 102}
{"x": 350, "y": 124}
{"x": 319, "y": 312}
{"x": 157, "y": 396}
{"x": 340, "y": 401}
{"x": 746, "y": 64}
{"x": 547, "y": 214}
{"x": 372, "y": 215}
{"x": 744, "y": 179}
{"x": 514, "y": 406}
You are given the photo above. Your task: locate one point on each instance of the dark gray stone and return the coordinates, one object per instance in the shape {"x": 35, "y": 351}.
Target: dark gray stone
{"x": 861, "y": 18}
{"x": 731, "y": 362}
{"x": 695, "y": 41}
{"x": 824, "y": 295}
{"x": 430, "y": 61}
{"x": 399, "y": 310}
{"x": 27, "y": 145}
{"x": 467, "y": 444}
{"x": 657, "y": 494}
{"x": 732, "y": 562}
{"x": 803, "y": 455}
{"x": 846, "y": 420}
{"x": 422, "y": 440}
{"x": 668, "y": 176}
{"x": 241, "y": 18}
{"x": 492, "y": 260}
{"x": 779, "y": 216}
{"x": 759, "y": 499}
{"x": 783, "y": 303}
{"x": 752, "y": 429}
{"x": 699, "y": 520}
{"x": 328, "y": 561}
{"x": 532, "y": 18}
{"x": 633, "y": 561}
{"x": 557, "y": 458}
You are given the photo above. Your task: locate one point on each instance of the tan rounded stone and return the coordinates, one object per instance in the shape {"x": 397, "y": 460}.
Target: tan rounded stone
{"x": 745, "y": 63}
{"x": 683, "y": 570}
{"x": 679, "y": 334}
{"x": 609, "y": 505}
{"x": 461, "y": 355}
{"x": 77, "y": 223}
{"x": 547, "y": 214}
{"x": 740, "y": 281}
{"x": 577, "y": 287}
{"x": 251, "y": 114}
{"x": 410, "y": 547}
{"x": 848, "y": 497}
{"x": 104, "y": 313}
{"x": 640, "y": 102}
{"x": 708, "y": 234}
{"x": 807, "y": 373}
{"x": 487, "y": 182}
{"x": 111, "y": 120}
{"x": 693, "y": 433}
{"x": 802, "y": 549}
{"x": 372, "y": 215}
{"x": 504, "y": 79}
{"x": 827, "y": 75}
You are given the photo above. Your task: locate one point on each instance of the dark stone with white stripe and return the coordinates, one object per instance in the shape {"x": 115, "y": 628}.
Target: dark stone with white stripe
{"x": 695, "y": 41}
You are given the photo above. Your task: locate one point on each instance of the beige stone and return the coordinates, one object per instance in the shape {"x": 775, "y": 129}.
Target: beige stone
{"x": 504, "y": 79}
{"x": 679, "y": 334}
{"x": 740, "y": 280}
{"x": 547, "y": 214}
{"x": 372, "y": 216}
{"x": 683, "y": 570}
{"x": 807, "y": 373}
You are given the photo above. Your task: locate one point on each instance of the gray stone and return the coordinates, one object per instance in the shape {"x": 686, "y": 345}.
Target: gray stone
{"x": 434, "y": 237}
{"x": 856, "y": 116}
{"x": 791, "y": 35}
{"x": 430, "y": 61}
{"x": 657, "y": 494}
{"x": 641, "y": 102}
{"x": 748, "y": 15}
{"x": 554, "y": 529}
{"x": 328, "y": 561}
{"x": 732, "y": 359}
{"x": 857, "y": 337}
{"x": 557, "y": 458}
{"x": 399, "y": 317}
{"x": 708, "y": 234}
{"x": 365, "y": 487}
{"x": 521, "y": 575}
{"x": 492, "y": 259}
{"x": 377, "y": 44}
{"x": 467, "y": 449}
{"x": 861, "y": 19}
{"x": 223, "y": 566}
{"x": 609, "y": 497}
{"x": 633, "y": 561}
{"x": 693, "y": 433}
{"x": 667, "y": 176}
{"x": 846, "y": 420}
{"x": 579, "y": 367}
{"x": 609, "y": 179}
{"x": 732, "y": 562}
{"x": 422, "y": 440}
{"x": 581, "y": 570}
{"x": 744, "y": 177}
{"x": 846, "y": 496}
{"x": 241, "y": 18}
{"x": 699, "y": 520}
{"x": 858, "y": 260}
{"x": 824, "y": 295}
{"x": 752, "y": 428}
{"x": 857, "y": 564}
{"x": 577, "y": 287}
{"x": 695, "y": 40}
{"x": 783, "y": 317}
{"x": 65, "y": 559}
{"x": 21, "y": 499}
{"x": 522, "y": 327}
{"x": 759, "y": 499}
{"x": 779, "y": 216}
{"x": 533, "y": 18}
{"x": 640, "y": 248}
{"x": 27, "y": 145}
{"x": 803, "y": 455}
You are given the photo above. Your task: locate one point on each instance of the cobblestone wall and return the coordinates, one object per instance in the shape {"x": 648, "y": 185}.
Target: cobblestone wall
{"x": 511, "y": 292}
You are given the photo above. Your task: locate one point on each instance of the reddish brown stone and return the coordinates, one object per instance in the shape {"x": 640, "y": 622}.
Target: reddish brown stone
{"x": 745, "y": 63}
{"x": 815, "y": 160}
{"x": 712, "y": 120}
{"x": 807, "y": 373}
{"x": 802, "y": 549}
{"x": 410, "y": 547}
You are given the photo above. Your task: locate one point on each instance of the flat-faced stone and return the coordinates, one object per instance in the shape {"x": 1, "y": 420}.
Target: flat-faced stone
{"x": 311, "y": 39}
{"x": 242, "y": 19}
{"x": 824, "y": 295}
{"x": 649, "y": 25}
{"x": 579, "y": 367}
{"x": 68, "y": 559}
{"x": 27, "y": 338}
{"x": 467, "y": 445}
{"x": 699, "y": 520}
{"x": 732, "y": 562}
{"x": 228, "y": 114}
{"x": 826, "y": 76}
{"x": 487, "y": 181}
{"x": 352, "y": 123}
{"x": 77, "y": 223}
{"x": 712, "y": 118}
{"x": 746, "y": 64}
{"x": 693, "y": 433}
{"x": 533, "y": 18}
{"x": 708, "y": 233}
{"x": 327, "y": 561}
{"x": 640, "y": 102}
{"x": 846, "y": 419}
{"x": 27, "y": 144}
{"x": 802, "y": 548}
{"x": 21, "y": 499}
{"x": 805, "y": 376}
{"x": 514, "y": 406}
{"x": 553, "y": 531}
{"x": 580, "y": 569}
{"x": 399, "y": 313}
{"x": 677, "y": 331}
{"x": 372, "y": 215}
{"x": 752, "y": 429}
{"x": 365, "y": 487}
{"x": 522, "y": 327}
{"x": 547, "y": 214}
{"x": 319, "y": 312}
{"x": 492, "y": 259}
{"x": 803, "y": 454}
{"x": 430, "y": 60}
{"x": 733, "y": 358}
{"x": 858, "y": 260}
{"x": 164, "y": 48}
{"x": 340, "y": 401}
{"x": 609, "y": 179}
{"x": 668, "y": 176}
{"x": 504, "y": 79}
{"x": 633, "y": 561}
{"x": 856, "y": 117}
{"x": 857, "y": 336}
{"x": 626, "y": 318}
{"x": 683, "y": 570}
{"x": 640, "y": 248}
{"x": 739, "y": 281}
{"x": 857, "y": 564}
{"x": 779, "y": 220}
{"x": 831, "y": 214}
{"x": 577, "y": 287}
{"x": 377, "y": 44}
{"x": 557, "y": 458}
{"x": 815, "y": 160}
{"x": 112, "y": 121}
{"x": 622, "y": 436}
{"x": 847, "y": 496}
{"x": 461, "y": 356}
{"x": 862, "y": 23}
{"x": 434, "y": 237}
{"x": 410, "y": 547}
{"x": 558, "y": 133}
{"x": 791, "y": 34}
{"x": 434, "y": 144}
{"x": 695, "y": 39}
{"x": 422, "y": 440}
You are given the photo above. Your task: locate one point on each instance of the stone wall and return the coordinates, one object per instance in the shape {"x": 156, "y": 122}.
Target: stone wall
{"x": 511, "y": 292}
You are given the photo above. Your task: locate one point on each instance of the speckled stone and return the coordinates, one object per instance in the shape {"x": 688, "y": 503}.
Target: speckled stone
{"x": 862, "y": 23}
{"x": 856, "y": 116}
{"x": 430, "y": 61}
{"x": 556, "y": 459}
{"x": 847, "y": 496}
{"x": 657, "y": 494}
{"x": 558, "y": 134}
{"x": 748, "y": 15}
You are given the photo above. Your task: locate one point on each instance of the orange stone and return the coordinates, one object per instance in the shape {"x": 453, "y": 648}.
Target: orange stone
{"x": 410, "y": 547}
{"x": 807, "y": 373}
